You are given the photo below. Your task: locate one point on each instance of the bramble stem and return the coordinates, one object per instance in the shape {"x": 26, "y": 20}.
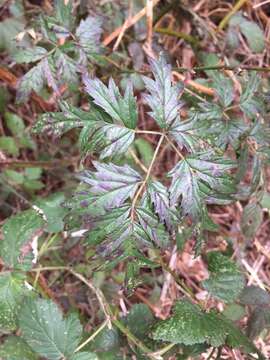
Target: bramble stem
{"x": 135, "y": 199}
{"x": 99, "y": 329}
{"x": 226, "y": 19}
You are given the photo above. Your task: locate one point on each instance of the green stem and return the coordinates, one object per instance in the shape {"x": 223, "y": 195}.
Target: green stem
{"x": 99, "y": 329}
{"x": 178, "y": 34}
{"x": 226, "y": 19}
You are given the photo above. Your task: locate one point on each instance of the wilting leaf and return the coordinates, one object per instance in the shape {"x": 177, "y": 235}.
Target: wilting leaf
{"x": 46, "y": 332}
{"x": 226, "y": 281}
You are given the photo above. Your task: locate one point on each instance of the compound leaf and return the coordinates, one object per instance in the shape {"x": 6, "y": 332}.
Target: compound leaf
{"x": 45, "y": 330}
{"x": 226, "y": 281}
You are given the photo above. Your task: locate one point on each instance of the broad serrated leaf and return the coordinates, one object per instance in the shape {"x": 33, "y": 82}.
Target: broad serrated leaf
{"x": 18, "y": 231}
{"x": 260, "y": 133}
{"x": 111, "y": 185}
{"x": 226, "y": 281}
{"x": 33, "y": 80}
{"x": 198, "y": 178}
{"x": 189, "y": 325}
{"x": 46, "y": 332}
{"x": 255, "y": 296}
{"x": 15, "y": 348}
{"x": 12, "y": 290}
{"x": 139, "y": 319}
{"x": 163, "y": 97}
{"x": 29, "y": 55}
{"x": 89, "y": 32}
{"x": 122, "y": 109}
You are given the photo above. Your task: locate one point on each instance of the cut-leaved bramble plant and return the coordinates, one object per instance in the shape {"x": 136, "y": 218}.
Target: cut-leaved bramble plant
{"x": 136, "y": 201}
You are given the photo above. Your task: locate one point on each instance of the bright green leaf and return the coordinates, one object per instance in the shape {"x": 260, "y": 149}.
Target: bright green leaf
{"x": 46, "y": 331}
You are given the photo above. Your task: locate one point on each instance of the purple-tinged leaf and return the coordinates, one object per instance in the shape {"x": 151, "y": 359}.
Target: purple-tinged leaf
{"x": 119, "y": 138}
{"x": 111, "y": 184}
{"x": 122, "y": 109}
{"x": 89, "y": 33}
{"x": 163, "y": 97}
{"x": 159, "y": 196}
{"x": 198, "y": 178}
{"x": 33, "y": 80}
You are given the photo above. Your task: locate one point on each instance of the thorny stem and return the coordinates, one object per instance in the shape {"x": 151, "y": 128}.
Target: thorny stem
{"x": 138, "y": 193}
